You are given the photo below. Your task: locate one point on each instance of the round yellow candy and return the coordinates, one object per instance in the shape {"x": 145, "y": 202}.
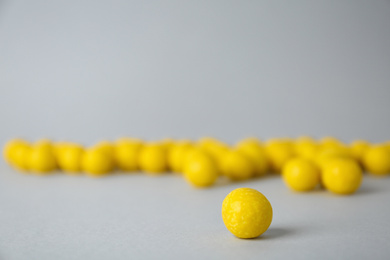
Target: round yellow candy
{"x": 246, "y": 212}
{"x": 153, "y": 158}
{"x": 328, "y": 154}
{"x": 358, "y": 148}
{"x": 342, "y": 176}
{"x": 105, "y": 146}
{"x": 177, "y": 154}
{"x": 254, "y": 151}
{"x": 96, "y": 163}
{"x": 10, "y": 148}
{"x": 376, "y": 160}
{"x": 237, "y": 166}
{"x": 126, "y": 155}
{"x": 168, "y": 143}
{"x": 41, "y": 158}
{"x": 69, "y": 159}
{"x": 330, "y": 142}
{"x": 19, "y": 156}
{"x": 279, "y": 151}
{"x": 301, "y": 174}
{"x": 200, "y": 169}
{"x": 58, "y": 147}
{"x": 306, "y": 147}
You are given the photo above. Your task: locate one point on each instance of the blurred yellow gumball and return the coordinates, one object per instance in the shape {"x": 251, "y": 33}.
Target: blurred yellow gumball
{"x": 105, "y": 146}
{"x": 254, "y": 151}
{"x": 306, "y": 147}
{"x": 329, "y": 142}
{"x": 58, "y": 147}
{"x": 358, "y": 148}
{"x": 18, "y": 153}
{"x": 301, "y": 174}
{"x": 279, "y": 151}
{"x": 168, "y": 143}
{"x": 10, "y": 148}
{"x": 325, "y": 155}
{"x": 237, "y": 166}
{"x": 342, "y": 176}
{"x": 41, "y": 158}
{"x": 376, "y": 160}
{"x": 126, "y": 155}
{"x": 200, "y": 169}
{"x": 176, "y": 155}
{"x": 212, "y": 145}
{"x": 153, "y": 158}
{"x": 96, "y": 162}
{"x": 70, "y": 158}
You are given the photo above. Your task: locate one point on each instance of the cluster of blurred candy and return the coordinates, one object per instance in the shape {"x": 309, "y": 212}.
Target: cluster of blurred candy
{"x": 305, "y": 163}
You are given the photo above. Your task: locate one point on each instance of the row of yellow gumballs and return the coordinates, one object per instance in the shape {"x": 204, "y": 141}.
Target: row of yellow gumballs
{"x": 202, "y": 162}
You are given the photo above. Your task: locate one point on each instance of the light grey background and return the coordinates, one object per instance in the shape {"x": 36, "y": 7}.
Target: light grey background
{"x": 91, "y": 70}
{"x": 87, "y": 70}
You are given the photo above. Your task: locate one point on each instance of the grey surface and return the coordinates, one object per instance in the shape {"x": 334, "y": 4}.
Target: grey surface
{"x": 92, "y": 70}
{"x": 137, "y": 217}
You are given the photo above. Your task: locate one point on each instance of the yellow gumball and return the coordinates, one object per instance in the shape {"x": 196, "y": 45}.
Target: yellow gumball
{"x": 237, "y": 166}
{"x": 342, "y": 176}
{"x": 279, "y": 151}
{"x": 41, "y": 158}
{"x": 96, "y": 163}
{"x": 10, "y": 148}
{"x": 306, "y": 147}
{"x": 326, "y": 155}
{"x": 177, "y": 154}
{"x": 301, "y": 174}
{"x": 376, "y": 160}
{"x": 126, "y": 155}
{"x": 200, "y": 169}
{"x": 19, "y": 156}
{"x": 106, "y": 147}
{"x": 70, "y": 158}
{"x": 153, "y": 158}
{"x": 329, "y": 142}
{"x": 254, "y": 151}
{"x": 168, "y": 143}
{"x": 358, "y": 148}
{"x": 246, "y": 213}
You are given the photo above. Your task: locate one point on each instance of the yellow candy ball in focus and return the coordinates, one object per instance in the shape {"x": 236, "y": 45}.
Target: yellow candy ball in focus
{"x": 246, "y": 213}
{"x": 200, "y": 169}
{"x": 96, "y": 163}
{"x": 301, "y": 174}
{"x": 376, "y": 160}
{"x": 153, "y": 158}
{"x": 342, "y": 176}
{"x": 237, "y": 166}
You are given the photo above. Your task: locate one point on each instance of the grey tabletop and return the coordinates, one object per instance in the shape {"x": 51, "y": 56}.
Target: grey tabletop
{"x": 141, "y": 217}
